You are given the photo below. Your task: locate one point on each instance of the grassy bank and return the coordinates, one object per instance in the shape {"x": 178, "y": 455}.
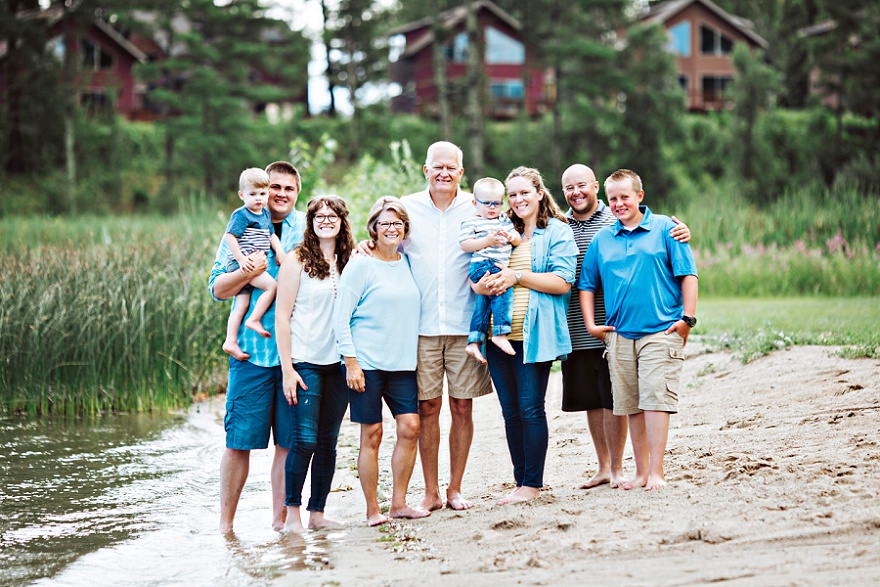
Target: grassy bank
{"x": 107, "y": 314}
{"x": 752, "y": 327}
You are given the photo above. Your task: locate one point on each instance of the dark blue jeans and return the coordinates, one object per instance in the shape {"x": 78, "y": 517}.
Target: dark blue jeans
{"x": 521, "y": 390}
{"x": 496, "y": 306}
{"x": 316, "y": 416}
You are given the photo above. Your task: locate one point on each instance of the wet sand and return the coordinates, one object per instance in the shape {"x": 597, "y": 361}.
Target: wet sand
{"x": 773, "y": 471}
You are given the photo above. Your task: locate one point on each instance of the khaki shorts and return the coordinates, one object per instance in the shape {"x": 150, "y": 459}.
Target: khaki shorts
{"x": 645, "y": 373}
{"x": 439, "y": 355}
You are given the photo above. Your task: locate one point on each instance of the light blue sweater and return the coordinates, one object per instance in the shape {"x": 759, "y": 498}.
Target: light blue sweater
{"x": 376, "y": 315}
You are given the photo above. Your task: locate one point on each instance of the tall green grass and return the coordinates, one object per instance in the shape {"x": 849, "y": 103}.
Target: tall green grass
{"x": 812, "y": 241}
{"x": 107, "y": 314}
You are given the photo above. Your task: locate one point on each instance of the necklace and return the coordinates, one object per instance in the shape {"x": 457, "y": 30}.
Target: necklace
{"x": 334, "y": 277}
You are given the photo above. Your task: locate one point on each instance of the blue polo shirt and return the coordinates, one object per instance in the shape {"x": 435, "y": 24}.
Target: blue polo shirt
{"x": 263, "y": 351}
{"x": 638, "y": 270}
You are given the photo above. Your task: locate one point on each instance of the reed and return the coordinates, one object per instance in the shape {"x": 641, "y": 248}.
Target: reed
{"x": 115, "y": 317}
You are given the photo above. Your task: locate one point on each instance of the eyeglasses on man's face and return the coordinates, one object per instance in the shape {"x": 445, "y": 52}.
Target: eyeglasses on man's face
{"x": 322, "y": 218}
{"x": 490, "y": 203}
{"x": 385, "y": 225}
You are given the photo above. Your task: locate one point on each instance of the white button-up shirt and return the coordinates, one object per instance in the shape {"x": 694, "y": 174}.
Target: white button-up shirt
{"x": 439, "y": 266}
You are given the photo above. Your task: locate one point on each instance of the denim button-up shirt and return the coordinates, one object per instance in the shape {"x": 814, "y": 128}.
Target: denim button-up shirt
{"x": 263, "y": 351}
{"x": 545, "y": 328}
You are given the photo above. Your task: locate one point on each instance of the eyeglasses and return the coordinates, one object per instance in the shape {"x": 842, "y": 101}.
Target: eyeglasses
{"x": 490, "y": 203}
{"x": 322, "y": 218}
{"x": 386, "y": 225}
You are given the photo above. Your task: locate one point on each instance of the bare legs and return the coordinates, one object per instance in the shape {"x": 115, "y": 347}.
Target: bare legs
{"x": 277, "y": 478}
{"x": 609, "y": 439}
{"x": 461, "y": 434}
{"x": 403, "y": 460}
{"x": 234, "y": 468}
{"x": 648, "y": 431}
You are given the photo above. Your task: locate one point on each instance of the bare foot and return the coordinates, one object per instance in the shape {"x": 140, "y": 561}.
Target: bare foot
{"x": 617, "y": 480}
{"x": 455, "y": 501}
{"x": 431, "y": 503}
{"x": 226, "y": 530}
{"x": 321, "y": 523}
{"x": 655, "y": 482}
{"x": 409, "y": 513}
{"x": 502, "y": 343}
{"x": 473, "y": 349}
{"x": 596, "y": 480}
{"x": 376, "y": 519}
{"x": 258, "y": 328}
{"x": 520, "y": 494}
{"x": 636, "y": 481}
{"x": 294, "y": 525}
{"x": 232, "y": 348}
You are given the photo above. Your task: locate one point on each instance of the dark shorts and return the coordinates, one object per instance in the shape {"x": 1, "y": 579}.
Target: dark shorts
{"x": 586, "y": 383}
{"x": 251, "y": 399}
{"x": 399, "y": 389}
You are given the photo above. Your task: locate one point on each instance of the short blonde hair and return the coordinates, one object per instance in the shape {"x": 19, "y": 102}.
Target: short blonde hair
{"x": 253, "y": 177}
{"x": 490, "y": 186}
{"x": 623, "y": 175}
{"x": 387, "y": 203}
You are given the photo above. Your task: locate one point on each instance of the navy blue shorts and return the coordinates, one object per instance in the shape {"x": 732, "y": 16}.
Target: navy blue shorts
{"x": 251, "y": 397}
{"x": 399, "y": 389}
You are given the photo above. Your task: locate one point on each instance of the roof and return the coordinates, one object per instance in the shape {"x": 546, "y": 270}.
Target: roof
{"x": 53, "y": 16}
{"x": 662, "y": 12}
{"x": 819, "y": 29}
{"x": 450, "y": 19}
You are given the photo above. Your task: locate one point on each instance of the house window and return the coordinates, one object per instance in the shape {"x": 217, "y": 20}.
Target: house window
{"x": 714, "y": 42}
{"x": 508, "y": 90}
{"x": 501, "y": 48}
{"x": 457, "y": 50}
{"x": 683, "y": 82}
{"x": 95, "y": 102}
{"x": 716, "y": 89}
{"x": 680, "y": 39}
{"x": 93, "y": 57}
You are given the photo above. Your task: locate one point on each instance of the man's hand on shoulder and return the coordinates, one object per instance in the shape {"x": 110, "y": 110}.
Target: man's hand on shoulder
{"x": 680, "y": 231}
{"x": 365, "y": 247}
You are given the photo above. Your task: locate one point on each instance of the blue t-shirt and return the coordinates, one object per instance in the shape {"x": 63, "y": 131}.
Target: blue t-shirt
{"x": 639, "y": 272}
{"x": 252, "y": 231}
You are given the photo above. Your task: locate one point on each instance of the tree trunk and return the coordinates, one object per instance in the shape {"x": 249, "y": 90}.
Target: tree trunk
{"x": 331, "y": 109}
{"x": 475, "y": 94}
{"x": 70, "y": 44}
{"x": 354, "y": 124}
{"x": 556, "y": 138}
{"x": 441, "y": 87}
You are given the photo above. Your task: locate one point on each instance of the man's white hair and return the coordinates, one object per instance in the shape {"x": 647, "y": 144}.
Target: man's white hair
{"x": 443, "y": 145}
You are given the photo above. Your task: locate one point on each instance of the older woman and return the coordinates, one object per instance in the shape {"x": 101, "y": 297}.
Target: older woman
{"x": 541, "y": 271}
{"x": 314, "y": 384}
{"x": 376, "y": 319}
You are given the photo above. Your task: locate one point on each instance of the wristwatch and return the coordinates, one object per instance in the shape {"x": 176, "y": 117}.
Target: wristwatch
{"x": 518, "y": 276}
{"x": 691, "y": 321}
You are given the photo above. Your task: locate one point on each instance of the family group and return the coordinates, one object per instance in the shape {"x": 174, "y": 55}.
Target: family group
{"x": 451, "y": 293}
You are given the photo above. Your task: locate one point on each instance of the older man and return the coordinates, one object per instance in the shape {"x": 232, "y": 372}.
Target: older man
{"x": 254, "y": 389}
{"x": 447, "y": 301}
{"x": 586, "y": 383}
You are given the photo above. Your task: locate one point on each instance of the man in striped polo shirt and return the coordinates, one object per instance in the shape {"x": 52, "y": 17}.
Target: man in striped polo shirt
{"x": 586, "y": 383}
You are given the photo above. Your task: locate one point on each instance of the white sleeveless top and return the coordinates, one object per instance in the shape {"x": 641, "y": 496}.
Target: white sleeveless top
{"x": 311, "y": 324}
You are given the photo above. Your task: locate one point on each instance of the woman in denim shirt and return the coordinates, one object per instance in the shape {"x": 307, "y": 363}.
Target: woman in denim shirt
{"x": 541, "y": 271}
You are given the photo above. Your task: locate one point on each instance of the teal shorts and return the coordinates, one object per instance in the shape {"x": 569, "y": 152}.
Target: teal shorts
{"x": 252, "y": 399}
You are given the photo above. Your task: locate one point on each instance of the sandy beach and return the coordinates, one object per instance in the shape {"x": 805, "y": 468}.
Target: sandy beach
{"x": 774, "y": 479}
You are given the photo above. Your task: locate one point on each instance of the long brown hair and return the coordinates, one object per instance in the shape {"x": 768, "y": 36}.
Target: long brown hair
{"x": 309, "y": 252}
{"x": 547, "y": 207}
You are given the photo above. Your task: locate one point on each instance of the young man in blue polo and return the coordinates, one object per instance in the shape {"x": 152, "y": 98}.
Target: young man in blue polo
{"x": 649, "y": 282}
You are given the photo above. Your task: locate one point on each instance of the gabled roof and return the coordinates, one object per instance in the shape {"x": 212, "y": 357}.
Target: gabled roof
{"x": 450, "y": 19}
{"x": 662, "y": 12}
{"x": 53, "y": 16}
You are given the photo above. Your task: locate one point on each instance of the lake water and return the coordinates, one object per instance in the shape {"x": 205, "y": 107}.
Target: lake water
{"x": 134, "y": 500}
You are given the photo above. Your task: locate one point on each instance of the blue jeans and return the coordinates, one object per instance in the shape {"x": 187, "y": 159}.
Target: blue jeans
{"x": 521, "y": 390}
{"x": 316, "y": 417}
{"x": 497, "y": 306}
